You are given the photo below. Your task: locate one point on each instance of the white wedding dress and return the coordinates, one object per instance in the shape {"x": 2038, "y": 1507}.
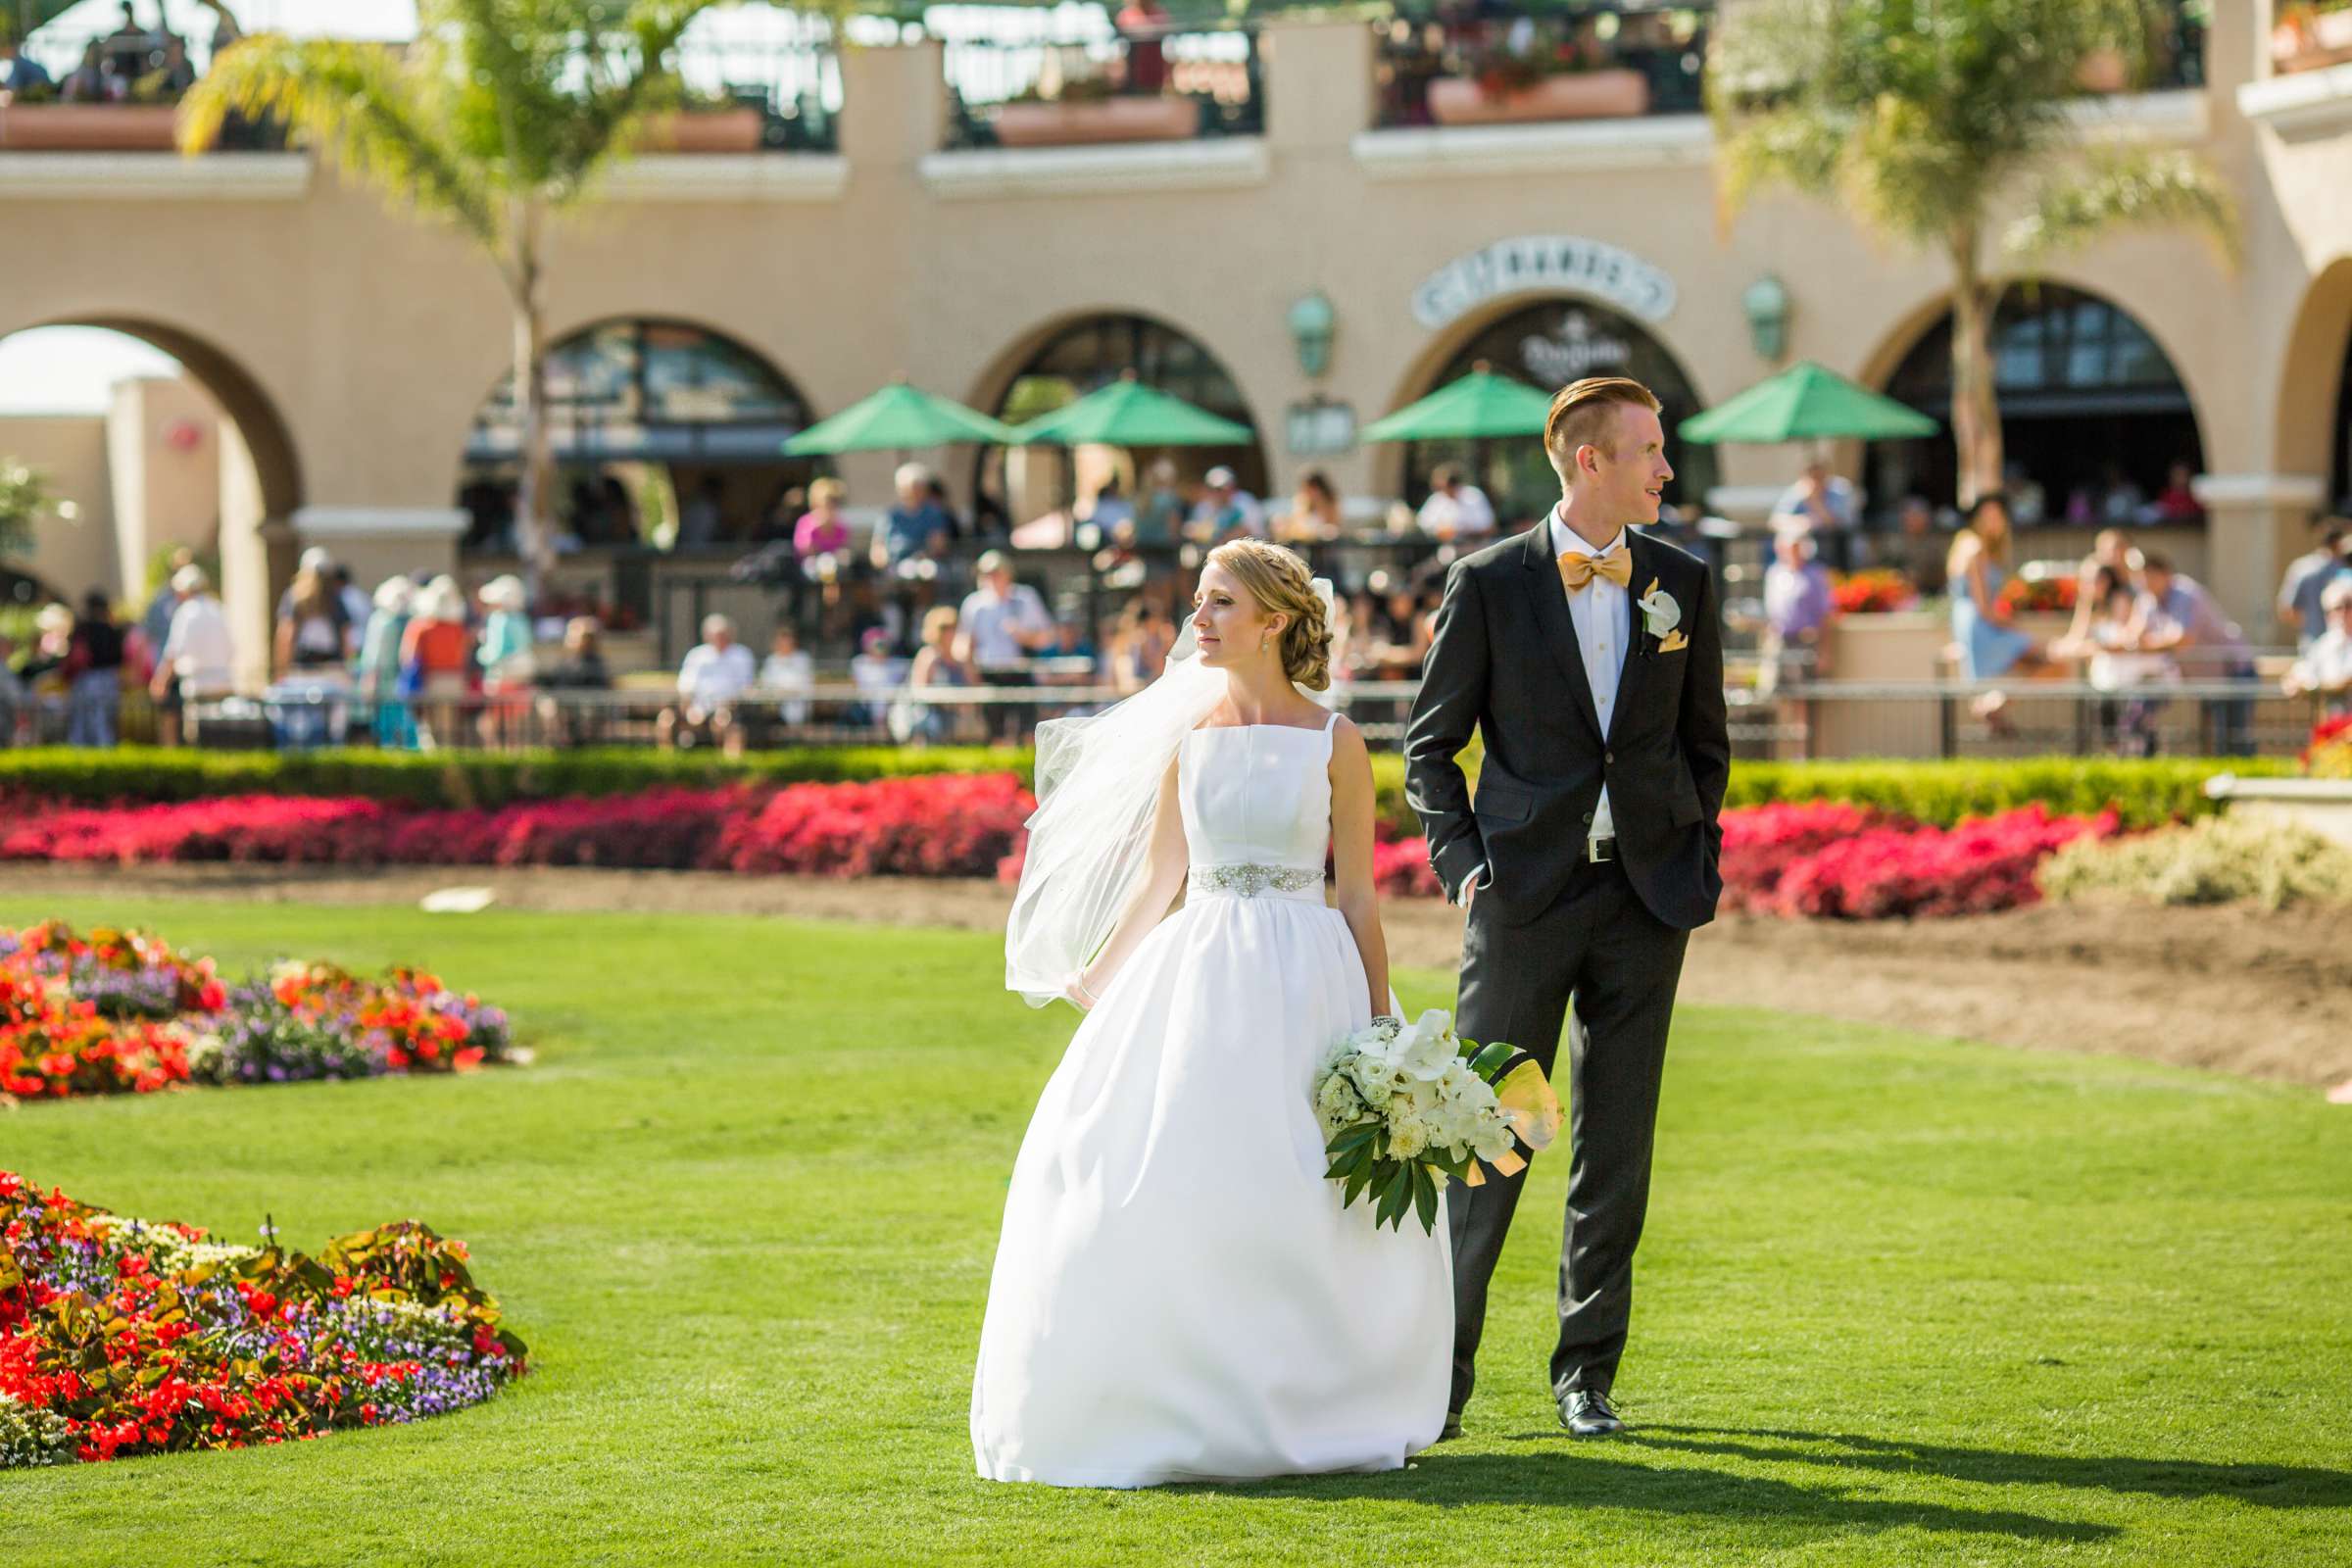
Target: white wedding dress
{"x": 1178, "y": 1295}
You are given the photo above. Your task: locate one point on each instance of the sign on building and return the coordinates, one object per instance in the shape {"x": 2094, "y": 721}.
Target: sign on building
{"x": 1537, "y": 262}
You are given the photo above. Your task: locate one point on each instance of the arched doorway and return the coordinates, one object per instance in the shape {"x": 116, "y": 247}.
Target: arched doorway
{"x": 1548, "y": 345}
{"x": 1077, "y": 358}
{"x": 163, "y": 442}
{"x": 665, "y": 434}
{"x": 2094, "y": 415}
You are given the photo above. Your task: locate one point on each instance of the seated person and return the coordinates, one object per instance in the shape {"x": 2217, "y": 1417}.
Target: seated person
{"x": 716, "y": 672}
{"x": 2325, "y": 670}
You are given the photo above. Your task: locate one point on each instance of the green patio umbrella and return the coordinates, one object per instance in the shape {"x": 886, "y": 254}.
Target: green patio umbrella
{"x": 1129, "y": 414}
{"x": 1479, "y": 406}
{"x": 898, "y": 417}
{"x": 1807, "y": 402}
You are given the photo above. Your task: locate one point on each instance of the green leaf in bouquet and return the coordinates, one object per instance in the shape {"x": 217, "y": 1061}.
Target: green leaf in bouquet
{"x": 1361, "y": 1178}
{"x": 1356, "y": 1135}
{"x": 1396, "y": 1195}
{"x": 1425, "y": 1198}
{"x": 1490, "y": 1059}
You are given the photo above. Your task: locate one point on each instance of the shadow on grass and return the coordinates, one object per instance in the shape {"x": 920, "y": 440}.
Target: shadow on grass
{"x": 1587, "y": 1478}
{"x": 2277, "y": 1486}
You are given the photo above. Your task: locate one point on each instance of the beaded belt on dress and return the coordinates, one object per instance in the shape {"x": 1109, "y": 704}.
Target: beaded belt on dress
{"x": 1249, "y": 880}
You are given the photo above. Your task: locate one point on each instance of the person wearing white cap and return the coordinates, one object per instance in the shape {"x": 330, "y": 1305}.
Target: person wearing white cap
{"x": 199, "y": 656}
{"x": 503, "y": 652}
{"x": 1226, "y": 511}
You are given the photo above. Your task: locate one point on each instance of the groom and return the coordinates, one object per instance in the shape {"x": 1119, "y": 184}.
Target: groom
{"x": 1588, "y": 658}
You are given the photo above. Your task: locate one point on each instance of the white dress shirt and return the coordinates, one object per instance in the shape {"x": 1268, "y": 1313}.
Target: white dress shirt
{"x": 711, "y": 676}
{"x": 1603, "y": 615}
{"x": 199, "y": 648}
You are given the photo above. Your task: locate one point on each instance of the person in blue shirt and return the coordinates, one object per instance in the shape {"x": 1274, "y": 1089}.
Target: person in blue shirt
{"x": 915, "y": 525}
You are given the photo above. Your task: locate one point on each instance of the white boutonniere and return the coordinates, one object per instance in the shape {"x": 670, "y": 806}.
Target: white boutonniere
{"x": 1660, "y": 615}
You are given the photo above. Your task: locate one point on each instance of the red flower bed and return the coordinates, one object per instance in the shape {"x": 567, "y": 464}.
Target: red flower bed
{"x": 1975, "y": 869}
{"x": 1831, "y": 860}
{"x": 235, "y": 827}
{"x": 1761, "y": 844}
{"x": 674, "y": 829}
{"x": 934, "y": 826}
{"x": 940, "y": 825}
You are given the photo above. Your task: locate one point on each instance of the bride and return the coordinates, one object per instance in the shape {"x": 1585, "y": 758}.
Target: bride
{"x": 1178, "y": 1295}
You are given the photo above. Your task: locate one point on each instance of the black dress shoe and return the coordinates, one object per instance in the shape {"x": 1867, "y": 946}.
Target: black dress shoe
{"x": 1453, "y": 1428}
{"x": 1587, "y": 1413}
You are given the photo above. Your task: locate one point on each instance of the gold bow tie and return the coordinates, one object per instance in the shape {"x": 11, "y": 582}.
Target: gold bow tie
{"x": 1579, "y": 571}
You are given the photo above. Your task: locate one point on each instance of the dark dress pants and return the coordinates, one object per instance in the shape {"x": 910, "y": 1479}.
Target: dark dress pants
{"x": 1601, "y": 944}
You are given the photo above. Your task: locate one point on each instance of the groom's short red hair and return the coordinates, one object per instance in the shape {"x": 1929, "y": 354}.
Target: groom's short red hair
{"x": 1582, "y": 413}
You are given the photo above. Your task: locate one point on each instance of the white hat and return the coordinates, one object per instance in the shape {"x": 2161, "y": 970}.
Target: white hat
{"x": 54, "y": 617}
{"x": 2337, "y": 594}
{"x": 315, "y": 559}
{"x": 1218, "y": 477}
{"x": 190, "y": 579}
{"x": 395, "y": 594}
{"x": 504, "y": 592}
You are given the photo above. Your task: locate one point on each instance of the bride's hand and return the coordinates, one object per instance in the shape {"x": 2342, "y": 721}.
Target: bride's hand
{"x": 1076, "y": 993}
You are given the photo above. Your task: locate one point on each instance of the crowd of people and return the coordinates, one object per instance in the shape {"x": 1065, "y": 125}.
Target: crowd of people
{"x": 133, "y": 64}
{"x": 420, "y": 663}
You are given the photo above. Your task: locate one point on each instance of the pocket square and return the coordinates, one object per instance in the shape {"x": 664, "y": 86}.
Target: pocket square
{"x": 1673, "y": 641}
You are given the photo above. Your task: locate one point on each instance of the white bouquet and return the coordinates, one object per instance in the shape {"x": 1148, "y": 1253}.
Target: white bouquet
{"x": 1404, "y": 1104}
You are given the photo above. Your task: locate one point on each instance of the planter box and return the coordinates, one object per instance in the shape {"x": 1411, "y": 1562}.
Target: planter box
{"x": 1588, "y": 95}
{"x": 1112, "y": 120}
{"x": 707, "y": 130}
{"x": 89, "y": 127}
{"x": 2321, "y": 805}
{"x": 2103, "y": 71}
{"x": 2311, "y": 43}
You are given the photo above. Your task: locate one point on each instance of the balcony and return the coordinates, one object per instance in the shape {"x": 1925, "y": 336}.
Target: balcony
{"x": 756, "y": 81}
{"x": 1621, "y": 63}
{"x": 1079, "y": 79}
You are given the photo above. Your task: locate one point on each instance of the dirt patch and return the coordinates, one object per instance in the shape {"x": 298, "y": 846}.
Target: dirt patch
{"x": 2237, "y": 989}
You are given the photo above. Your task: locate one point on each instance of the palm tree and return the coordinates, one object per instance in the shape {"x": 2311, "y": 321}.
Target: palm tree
{"x": 1929, "y": 118}
{"x": 497, "y": 119}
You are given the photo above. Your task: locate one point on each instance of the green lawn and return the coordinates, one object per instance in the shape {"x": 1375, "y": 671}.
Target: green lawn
{"x": 1901, "y": 1300}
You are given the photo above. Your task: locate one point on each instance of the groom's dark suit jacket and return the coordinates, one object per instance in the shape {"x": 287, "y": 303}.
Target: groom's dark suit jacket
{"x": 1507, "y": 661}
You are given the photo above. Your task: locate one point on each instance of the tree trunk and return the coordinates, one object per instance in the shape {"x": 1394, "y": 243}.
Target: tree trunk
{"x": 531, "y": 491}
{"x": 1975, "y": 410}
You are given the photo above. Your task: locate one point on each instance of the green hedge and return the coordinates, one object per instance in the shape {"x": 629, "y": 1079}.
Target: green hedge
{"x": 2144, "y": 794}
{"x": 1942, "y": 793}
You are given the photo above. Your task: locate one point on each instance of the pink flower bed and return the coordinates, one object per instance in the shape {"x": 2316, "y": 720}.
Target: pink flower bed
{"x": 1831, "y": 860}
{"x": 1824, "y": 859}
{"x": 939, "y": 825}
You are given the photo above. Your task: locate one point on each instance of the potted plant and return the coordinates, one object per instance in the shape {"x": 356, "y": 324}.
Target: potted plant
{"x": 713, "y": 123}
{"x": 1520, "y": 81}
{"x": 1086, "y": 111}
{"x": 33, "y": 123}
{"x": 2311, "y": 35}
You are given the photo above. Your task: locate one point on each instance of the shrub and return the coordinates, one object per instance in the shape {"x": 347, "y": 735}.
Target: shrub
{"x": 2142, "y": 794}
{"x": 963, "y": 826}
{"x": 1978, "y": 867}
{"x": 2222, "y": 859}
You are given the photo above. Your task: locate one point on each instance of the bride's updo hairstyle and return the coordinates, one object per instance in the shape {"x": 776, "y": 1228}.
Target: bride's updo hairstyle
{"x": 1282, "y": 584}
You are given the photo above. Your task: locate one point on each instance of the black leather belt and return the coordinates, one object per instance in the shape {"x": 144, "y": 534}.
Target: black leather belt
{"x": 1600, "y": 851}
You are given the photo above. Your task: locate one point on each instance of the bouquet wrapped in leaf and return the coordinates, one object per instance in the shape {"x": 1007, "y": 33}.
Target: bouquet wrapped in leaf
{"x": 1405, "y": 1105}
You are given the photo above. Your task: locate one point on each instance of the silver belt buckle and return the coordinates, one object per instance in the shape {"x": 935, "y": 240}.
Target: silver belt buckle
{"x": 1599, "y": 850}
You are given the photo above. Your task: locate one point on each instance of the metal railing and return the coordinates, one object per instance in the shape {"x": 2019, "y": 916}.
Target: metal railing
{"x": 1146, "y": 77}
{"x": 2216, "y": 717}
{"x": 1797, "y": 722}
